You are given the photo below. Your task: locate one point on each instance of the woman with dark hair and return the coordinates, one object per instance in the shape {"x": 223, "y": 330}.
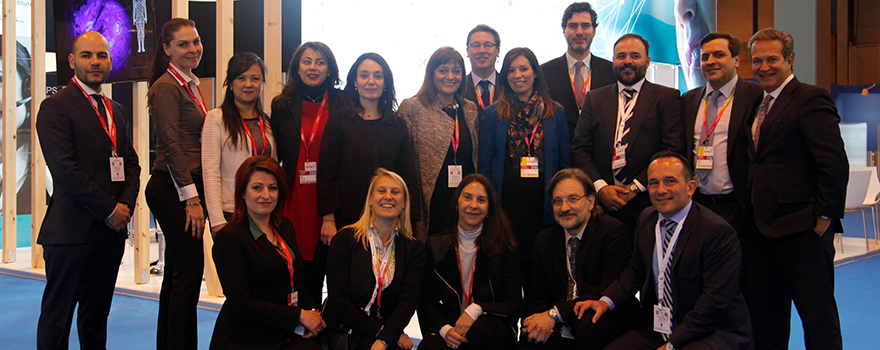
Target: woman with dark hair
{"x": 443, "y": 126}
{"x": 472, "y": 299}
{"x": 265, "y": 306}
{"x": 378, "y": 267}
{"x": 174, "y": 192}
{"x": 366, "y": 136}
{"x": 232, "y": 133}
{"x": 523, "y": 142}
{"x": 300, "y": 115}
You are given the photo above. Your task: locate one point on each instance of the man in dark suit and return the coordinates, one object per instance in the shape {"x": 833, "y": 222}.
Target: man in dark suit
{"x": 622, "y": 126}
{"x": 798, "y": 173}
{"x": 570, "y": 77}
{"x": 714, "y": 115}
{"x": 95, "y": 170}
{"x": 685, "y": 264}
{"x": 576, "y": 260}
{"x": 483, "y": 47}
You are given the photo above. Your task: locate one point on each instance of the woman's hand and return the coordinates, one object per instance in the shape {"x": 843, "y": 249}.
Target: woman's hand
{"x": 378, "y": 345}
{"x": 312, "y": 321}
{"x": 463, "y": 324}
{"x": 328, "y": 229}
{"x": 453, "y": 339}
{"x": 404, "y": 342}
{"x": 195, "y": 217}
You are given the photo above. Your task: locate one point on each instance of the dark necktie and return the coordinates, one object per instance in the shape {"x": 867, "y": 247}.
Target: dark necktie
{"x": 667, "y": 273}
{"x": 485, "y": 95}
{"x": 99, "y": 99}
{"x": 578, "y": 80}
{"x": 573, "y": 244}
{"x": 765, "y": 106}
{"x": 628, "y": 95}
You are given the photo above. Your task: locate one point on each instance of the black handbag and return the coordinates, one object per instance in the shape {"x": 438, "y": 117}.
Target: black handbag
{"x": 337, "y": 337}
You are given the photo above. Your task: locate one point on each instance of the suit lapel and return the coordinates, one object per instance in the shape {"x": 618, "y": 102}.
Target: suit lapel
{"x": 82, "y": 103}
{"x": 609, "y": 113}
{"x": 692, "y": 218}
{"x": 738, "y": 112}
{"x": 780, "y": 105}
{"x": 584, "y": 247}
{"x": 557, "y": 249}
{"x": 644, "y": 100}
{"x": 691, "y": 115}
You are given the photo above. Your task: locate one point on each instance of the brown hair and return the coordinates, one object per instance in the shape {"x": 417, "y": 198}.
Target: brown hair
{"x": 733, "y": 44}
{"x": 580, "y": 176}
{"x": 247, "y": 169}
{"x": 161, "y": 60}
{"x": 428, "y": 93}
{"x": 497, "y": 234}
{"x": 507, "y": 96}
{"x": 769, "y": 34}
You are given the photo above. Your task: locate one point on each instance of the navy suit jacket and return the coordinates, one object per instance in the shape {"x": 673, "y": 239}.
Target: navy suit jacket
{"x": 77, "y": 152}
{"x": 559, "y": 84}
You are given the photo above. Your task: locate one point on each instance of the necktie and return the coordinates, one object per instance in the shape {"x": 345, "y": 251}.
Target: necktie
{"x": 573, "y": 243}
{"x": 578, "y": 80}
{"x": 100, "y": 102}
{"x": 485, "y": 94}
{"x": 667, "y": 273}
{"x": 628, "y": 95}
{"x": 763, "y": 113}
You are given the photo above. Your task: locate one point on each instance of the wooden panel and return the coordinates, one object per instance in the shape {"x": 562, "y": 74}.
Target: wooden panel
{"x": 38, "y": 163}
{"x": 140, "y": 221}
{"x": 863, "y": 65}
{"x": 9, "y": 136}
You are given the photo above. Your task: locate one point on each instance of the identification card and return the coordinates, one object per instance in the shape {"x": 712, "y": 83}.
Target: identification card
{"x": 454, "y": 172}
{"x": 117, "y": 170}
{"x": 293, "y": 299}
{"x": 310, "y": 174}
{"x": 662, "y": 319}
{"x": 528, "y": 167}
{"x": 619, "y": 159}
{"x": 705, "y": 157}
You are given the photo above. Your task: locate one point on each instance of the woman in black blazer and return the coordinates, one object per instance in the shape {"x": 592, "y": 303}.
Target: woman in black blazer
{"x": 378, "y": 267}
{"x": 257, "y": 261}
{"x": 472, "y": 297}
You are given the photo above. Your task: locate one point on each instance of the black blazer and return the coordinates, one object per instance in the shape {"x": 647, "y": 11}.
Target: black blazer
{"x": 286, "y": 123}
{"x": 746, "y": 99}
{"x": 559, "y": 84}
{"x": 77, "y": 152}
{"x": 256, "y": 282}
{"x": 707, "y": 302}
{"x": 470, "y": 93}
{"x": 497, "y": 285}
{"x": 800, "y": 170}
{"x": 350, "y": 284}
{"x": 604, "y": 251}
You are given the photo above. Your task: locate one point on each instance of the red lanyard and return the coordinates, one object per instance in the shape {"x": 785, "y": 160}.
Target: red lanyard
{"x": 468, "y": 293}
{"x": 191, "y": 94}
{"x": 580, "y": 98}
{"x": 480, "y": 97}
{"x": 315, "y": 127}
{"x": 455, "y": 139}
{"x": 285, "y": 252}
{"x": 251, "y": 136}
{"x": 717, "y": 118}
{"x": 111, "y": 129}
{"x": 380, "y": 279}
{"x": 529, "y": 141}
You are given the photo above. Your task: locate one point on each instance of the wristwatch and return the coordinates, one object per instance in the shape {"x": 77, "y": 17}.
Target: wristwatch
{"x": 669, "y": 346}
{"x": 634, "y": 188}
{"x": 554, "y": 314}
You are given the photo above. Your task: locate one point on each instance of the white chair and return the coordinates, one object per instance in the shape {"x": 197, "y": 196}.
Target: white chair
{"x": 857, "y": 195}
{"x": 872, "y": 199}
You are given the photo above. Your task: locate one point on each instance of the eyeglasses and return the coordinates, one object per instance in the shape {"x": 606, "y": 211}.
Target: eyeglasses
{"x": 571, "y": 200}
{"x": 487, "y": 45}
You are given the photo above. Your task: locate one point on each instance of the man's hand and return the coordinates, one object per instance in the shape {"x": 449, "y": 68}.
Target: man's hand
{"x": 378, "y": 345}
{"x": 312, "y": 321}
{"x": 454, "y": 340}
{"x": 539, "y": 327}
{"x": 404, "y": 342}
{"x": 613, "y": 196}
{"x": 822, "y": 226}
{"x": 596, "y": 305}
{"x": 119, "y": 219}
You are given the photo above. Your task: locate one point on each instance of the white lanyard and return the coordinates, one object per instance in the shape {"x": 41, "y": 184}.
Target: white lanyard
{"x": 662, "y": 260}
{"x": 622, "y": 116}
{"x": 379, "y": 268}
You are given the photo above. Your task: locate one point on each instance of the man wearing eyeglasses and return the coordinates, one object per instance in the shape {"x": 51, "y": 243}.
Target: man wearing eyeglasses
{"x": 482, "y": 50}
{"x": 576, "y": 260}
{"x": 570, "y": 77}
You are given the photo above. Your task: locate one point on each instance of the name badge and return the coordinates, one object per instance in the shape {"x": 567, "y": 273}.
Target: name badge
{"x": 293, "y": 299}
{"x": 662, "y": 319}
{"x": 310, "y": 174}
{"x": 117, "y": 170}
{"x": 454, "y": 172}
{"x": 528, "y": 167}
{"x": 618, "y": 160}
{"x": 705, "y": 157}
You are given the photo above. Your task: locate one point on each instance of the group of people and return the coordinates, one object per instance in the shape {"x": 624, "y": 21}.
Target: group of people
{"x": 520, "y": 208}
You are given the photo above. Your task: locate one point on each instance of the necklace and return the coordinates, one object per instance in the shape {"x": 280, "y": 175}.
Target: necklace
{"x": 316, "y": 99}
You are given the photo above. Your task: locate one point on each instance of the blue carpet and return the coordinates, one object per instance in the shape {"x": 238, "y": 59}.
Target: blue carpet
{"x": 131, "y": 325}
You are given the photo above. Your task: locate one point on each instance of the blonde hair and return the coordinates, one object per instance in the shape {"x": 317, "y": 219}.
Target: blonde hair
{"x": 362, "y": 226}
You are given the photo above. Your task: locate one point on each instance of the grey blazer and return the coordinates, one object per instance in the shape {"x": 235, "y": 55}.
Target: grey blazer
{"x": 431, "y": 130}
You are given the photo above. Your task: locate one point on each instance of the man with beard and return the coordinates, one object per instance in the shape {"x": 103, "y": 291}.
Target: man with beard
{"x": 483, "y": 46}
{"x": 570, "y": 77}
{"x": 621, "y": 126}
{"x": 576, "y": 260}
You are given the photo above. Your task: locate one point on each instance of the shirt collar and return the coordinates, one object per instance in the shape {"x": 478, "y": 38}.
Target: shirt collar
{"x": 86, "y": 88}
{"x": 477, "y": 79}
{"x": 570, "y": 60}
{"x": 681, "y": 215}
{"x": 637, "y": 86}
{"x": 580, "y": 234}
{"x": 375, "y": 234}
{"x": 187, "y": 78}
{"x": 255, "y": 230}
{"x": 775, "y": 93}
{"x": 726, "y": 89}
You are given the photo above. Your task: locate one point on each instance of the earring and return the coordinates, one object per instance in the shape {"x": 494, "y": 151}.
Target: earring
{"x": 355, "y": 88}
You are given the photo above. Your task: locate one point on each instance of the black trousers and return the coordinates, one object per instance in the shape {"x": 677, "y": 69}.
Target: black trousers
{"x": 184, "y": 265}
{"x": 83, "y": 274}
{"x": 799, "y": 268}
